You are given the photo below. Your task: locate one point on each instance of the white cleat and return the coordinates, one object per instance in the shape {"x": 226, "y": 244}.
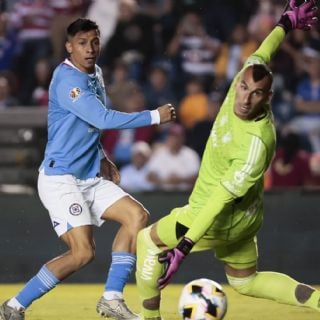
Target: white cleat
{"x": 115, "y": 309}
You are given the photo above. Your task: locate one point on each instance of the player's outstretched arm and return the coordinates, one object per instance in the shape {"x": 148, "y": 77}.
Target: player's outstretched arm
{"x": 302, "y": 16}
{"x": 167, "y": 113}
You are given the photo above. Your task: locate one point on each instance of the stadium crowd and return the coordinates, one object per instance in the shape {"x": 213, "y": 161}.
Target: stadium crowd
{"x": 185, "y": 52}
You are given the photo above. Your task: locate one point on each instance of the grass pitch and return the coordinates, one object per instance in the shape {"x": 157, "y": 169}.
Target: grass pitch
{"x": 78, "y": 301}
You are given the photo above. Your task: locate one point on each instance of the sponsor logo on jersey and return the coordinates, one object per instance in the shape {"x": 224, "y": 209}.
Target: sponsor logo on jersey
{"x": 75, "y": 209}
{"x": 75, "y": 93}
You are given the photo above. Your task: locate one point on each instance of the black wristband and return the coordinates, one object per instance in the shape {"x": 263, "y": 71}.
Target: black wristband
{"x": 185, "y": 245}
{"x": 285, "y": 23}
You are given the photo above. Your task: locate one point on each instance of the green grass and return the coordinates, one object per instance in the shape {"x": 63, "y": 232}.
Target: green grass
{"x": 77, "y": 302}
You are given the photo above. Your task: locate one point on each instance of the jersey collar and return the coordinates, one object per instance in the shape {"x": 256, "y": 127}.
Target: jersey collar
{"x": 69, "y": 63}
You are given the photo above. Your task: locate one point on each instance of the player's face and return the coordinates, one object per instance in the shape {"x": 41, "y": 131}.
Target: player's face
{"x": 251, "y": 96}
{"x": 84, "y": 49}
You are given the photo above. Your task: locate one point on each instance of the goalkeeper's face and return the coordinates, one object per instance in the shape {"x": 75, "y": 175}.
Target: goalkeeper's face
{"x": 252, "y": 95}
{"x": 84, "y": 49}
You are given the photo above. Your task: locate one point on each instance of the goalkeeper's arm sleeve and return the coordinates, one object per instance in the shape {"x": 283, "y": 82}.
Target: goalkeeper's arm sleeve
{"x": 270, "y": 45}
{"x": 215, "y": 204}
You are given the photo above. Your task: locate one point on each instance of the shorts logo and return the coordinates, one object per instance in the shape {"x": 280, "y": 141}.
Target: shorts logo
{"x": 55, "y": 224}
{"x": 75, "y": 93}
{"x": 75, "y": 209}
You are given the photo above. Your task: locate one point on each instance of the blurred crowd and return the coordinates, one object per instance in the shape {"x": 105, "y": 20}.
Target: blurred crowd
{"x": 185, "y": 52}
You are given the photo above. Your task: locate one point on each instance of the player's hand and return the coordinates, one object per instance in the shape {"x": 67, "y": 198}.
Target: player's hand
{"x": 302, "y": 16}
{"x": 167, "y": 113}
{"x": 173, "y": 258}
{"x": 109, "y": 171}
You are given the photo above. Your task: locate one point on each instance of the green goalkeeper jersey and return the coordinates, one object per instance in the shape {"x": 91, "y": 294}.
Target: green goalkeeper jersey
{"x": 227, "y": 198}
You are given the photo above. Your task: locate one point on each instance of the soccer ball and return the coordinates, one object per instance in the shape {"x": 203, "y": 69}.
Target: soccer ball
{"x": 202, "y": 299}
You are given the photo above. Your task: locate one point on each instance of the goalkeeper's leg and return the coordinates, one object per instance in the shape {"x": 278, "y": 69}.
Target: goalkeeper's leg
{"x": 273, "y": 286}
{"x": 149, "y": 269}
{"x": 152, "y": 241}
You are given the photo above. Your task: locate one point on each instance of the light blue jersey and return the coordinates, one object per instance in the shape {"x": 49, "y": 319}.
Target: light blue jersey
{"x": 78, "y": 110}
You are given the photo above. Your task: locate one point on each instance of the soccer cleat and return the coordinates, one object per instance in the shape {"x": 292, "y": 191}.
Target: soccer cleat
{"x": 115, "y": 309}
{"x": 8, "y": 313}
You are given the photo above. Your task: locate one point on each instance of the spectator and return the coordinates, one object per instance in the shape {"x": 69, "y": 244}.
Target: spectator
{"x": 65, "y": 11}
{"x": 173, "y": 165}
{"x": 261, "y": 23}
{"x": 290, "y": 167}
{"x": 234, "y": 53}
{"x": 193, "y": 49}
{"x": 200, "y": 132}
{"x": 164, "y": 23}
{"x": 307, "y": 101}
{"x": 119, "y": 84}
{"x": 194, "y": 106}
{"x": 158, "y": 88}
{"x": 131, "y": 41}
{"x": 118, "y": 143}
{"x": 134, "y": 174}
{"x": 314, "y": 165}
{"x": 215, "y": 13}
{"x": 287, "y": 61}
{"x": 105, "y": 13}
{"x": 8, "y": 39}
{"x": 7, "y": 98}
{"x": 32, "y": 19}
{"x": 43, "y": 72}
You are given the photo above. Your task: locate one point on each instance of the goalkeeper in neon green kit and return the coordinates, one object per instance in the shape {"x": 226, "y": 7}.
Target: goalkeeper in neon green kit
{"x": 225, "y": 209}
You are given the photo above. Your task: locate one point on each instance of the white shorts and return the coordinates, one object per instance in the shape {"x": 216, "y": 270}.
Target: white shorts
{"x": 72, "y": 202}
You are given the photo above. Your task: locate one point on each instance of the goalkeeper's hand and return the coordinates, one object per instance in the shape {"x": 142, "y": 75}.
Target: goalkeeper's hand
{"x": 303, "y": 16}
{"x": 173, "y": 258}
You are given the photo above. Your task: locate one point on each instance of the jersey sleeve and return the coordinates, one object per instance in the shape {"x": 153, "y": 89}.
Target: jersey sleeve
{"x": 268, "y": 47}
{"x": 246, "y": 169}
{"x": 74, "y": 95}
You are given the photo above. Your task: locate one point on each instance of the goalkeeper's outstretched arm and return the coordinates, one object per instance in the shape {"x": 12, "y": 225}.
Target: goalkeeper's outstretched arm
{"x": 294, "y": 17}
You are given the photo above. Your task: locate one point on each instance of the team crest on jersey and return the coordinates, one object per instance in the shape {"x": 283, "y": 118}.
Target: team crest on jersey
{"x": 75, "y": 209}
{"x": 75, "y": 93}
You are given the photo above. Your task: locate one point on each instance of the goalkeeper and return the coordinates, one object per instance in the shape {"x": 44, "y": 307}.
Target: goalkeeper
{"x": 225, "y": 209}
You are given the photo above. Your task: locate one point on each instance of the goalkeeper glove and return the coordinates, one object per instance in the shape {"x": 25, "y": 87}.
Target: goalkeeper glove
{"x": 173, "y": 258}
{"x": 299, "y": 17}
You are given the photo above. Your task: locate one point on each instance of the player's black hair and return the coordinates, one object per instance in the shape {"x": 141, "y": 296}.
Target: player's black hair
{"x": 260, "y": 71}
{"x": 81, "y": 25}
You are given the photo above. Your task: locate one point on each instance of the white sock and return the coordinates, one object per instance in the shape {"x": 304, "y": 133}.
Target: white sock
{"x": 14, "y": 303}
{"x": 111, "y": 295}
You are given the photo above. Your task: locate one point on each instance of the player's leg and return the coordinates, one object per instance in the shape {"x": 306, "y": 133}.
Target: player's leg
{"x": 43, "y": 282}
{"x": 81, "y": 252}
{"x": 71, "y": 220}
{"x": 116, "y": 205}
{"x": 241, "y": 272}
{"x": 149, "y": 269}
{"x": 152, "y": 241}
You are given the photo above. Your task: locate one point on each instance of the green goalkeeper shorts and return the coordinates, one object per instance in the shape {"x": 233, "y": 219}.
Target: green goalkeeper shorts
{"x": 235, "y": 246}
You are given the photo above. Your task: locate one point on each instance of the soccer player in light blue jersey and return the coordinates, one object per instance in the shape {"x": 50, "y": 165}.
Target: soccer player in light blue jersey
{"x": 78, "y": 183}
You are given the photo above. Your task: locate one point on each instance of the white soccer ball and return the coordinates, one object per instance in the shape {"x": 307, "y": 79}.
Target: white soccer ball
{"x": 203, "y": 299}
